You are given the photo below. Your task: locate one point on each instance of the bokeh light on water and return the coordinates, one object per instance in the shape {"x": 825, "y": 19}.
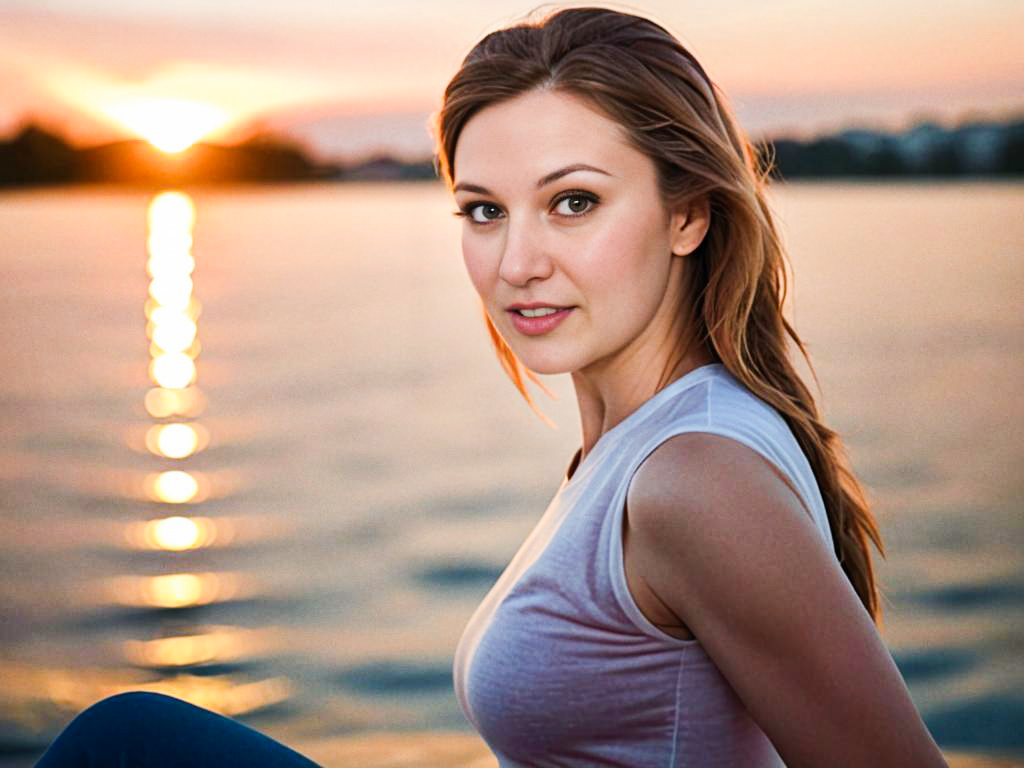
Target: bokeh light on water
{"x": 172, "y": 313}
{"x": 162, "y": 402}
{"x": 175, "y": 440}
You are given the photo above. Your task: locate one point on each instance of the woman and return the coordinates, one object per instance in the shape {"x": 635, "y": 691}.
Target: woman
{"x": 700, "y": 590}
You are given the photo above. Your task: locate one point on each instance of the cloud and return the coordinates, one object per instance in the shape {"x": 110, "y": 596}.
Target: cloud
{"x": 789, "y": 61}
{"x": 241, "y": 93}
{"x": 66, "y": 63}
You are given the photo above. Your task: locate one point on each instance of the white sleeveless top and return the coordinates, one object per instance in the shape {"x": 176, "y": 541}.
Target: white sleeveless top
{"x": 559, "y": 667}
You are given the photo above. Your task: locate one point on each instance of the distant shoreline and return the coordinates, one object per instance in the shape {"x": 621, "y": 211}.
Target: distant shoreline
{"x": 36, "y": 157}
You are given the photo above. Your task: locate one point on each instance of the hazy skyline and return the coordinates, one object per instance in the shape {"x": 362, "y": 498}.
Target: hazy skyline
{"x": 354, "y": 77}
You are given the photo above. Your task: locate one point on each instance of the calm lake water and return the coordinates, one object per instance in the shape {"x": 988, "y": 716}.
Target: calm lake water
{"x": 355, "y": 470}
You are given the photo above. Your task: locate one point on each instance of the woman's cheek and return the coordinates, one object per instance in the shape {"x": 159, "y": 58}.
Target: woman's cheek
{"x": 482, "y": 273}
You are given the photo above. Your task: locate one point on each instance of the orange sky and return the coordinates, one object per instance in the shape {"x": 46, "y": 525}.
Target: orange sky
{"x": 351, "y": 77}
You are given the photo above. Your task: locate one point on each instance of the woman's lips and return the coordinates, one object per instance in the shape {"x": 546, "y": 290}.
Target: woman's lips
{"x": 537, "y": 320}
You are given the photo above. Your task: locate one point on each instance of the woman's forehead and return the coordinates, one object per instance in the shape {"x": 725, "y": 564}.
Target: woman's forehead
{"x": 535, "y": 133}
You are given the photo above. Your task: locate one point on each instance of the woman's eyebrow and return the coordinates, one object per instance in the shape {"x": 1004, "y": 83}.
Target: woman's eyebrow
{"x": 556, "y": 175}
{"x": 465, "y": 186}
{"x": 551, "y": 177}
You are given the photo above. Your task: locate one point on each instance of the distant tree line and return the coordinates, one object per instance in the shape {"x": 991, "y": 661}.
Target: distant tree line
{"x": 36, "y": 156}
{"x": 973, "y": 149}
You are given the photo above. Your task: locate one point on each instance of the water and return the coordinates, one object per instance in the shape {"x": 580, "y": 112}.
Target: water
{"x": 362, "y": 470}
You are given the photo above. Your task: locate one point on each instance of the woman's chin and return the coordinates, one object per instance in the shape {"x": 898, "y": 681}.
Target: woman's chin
{"x": 543, "y": 365}
{"x": 548, "y": 370}
{"x": 544, "y": 355}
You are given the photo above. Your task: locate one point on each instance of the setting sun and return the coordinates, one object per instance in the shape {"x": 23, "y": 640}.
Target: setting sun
{"x": 170, "y": 125}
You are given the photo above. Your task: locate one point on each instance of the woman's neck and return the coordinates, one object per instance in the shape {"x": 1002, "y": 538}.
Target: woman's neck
{"x": 607, "y": 396}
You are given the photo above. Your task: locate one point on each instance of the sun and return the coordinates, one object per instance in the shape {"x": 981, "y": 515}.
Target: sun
{"x": 170, "y": 125}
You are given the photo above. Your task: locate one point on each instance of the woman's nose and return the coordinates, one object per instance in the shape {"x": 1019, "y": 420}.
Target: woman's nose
{"x": 524, "y": 257}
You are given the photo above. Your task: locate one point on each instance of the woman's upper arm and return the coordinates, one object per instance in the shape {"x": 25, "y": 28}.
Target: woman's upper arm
{"x": 726, "y": 544}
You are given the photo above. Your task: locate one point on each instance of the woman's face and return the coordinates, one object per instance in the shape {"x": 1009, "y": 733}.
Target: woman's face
{"x": 565, "y": 236}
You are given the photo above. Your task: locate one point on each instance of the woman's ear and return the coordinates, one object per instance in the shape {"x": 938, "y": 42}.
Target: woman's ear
{"x": 690, "y": 222}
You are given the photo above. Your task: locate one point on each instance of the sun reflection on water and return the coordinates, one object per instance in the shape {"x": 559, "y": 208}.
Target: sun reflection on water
{"x": 171, "y": 578}
{"x": 73, "y": 690}
{"x": 210, "y": 644}
{"x": 174, "y": 590}
{"x": 173, "y": 370}
{"x": 176, "y": 486}
{"x": 172, "y": 290}
{"x": 179, "y": 533}
{"x": 173, "y": 331}
{"x": 176, "y": 440}
{"x": 175, "y": 533}
{"x": 171, "y": 211}
{"x": 164, "y": 402}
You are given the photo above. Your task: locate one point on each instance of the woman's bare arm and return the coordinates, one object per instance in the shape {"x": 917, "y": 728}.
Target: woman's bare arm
{"x": 725, "y": 543}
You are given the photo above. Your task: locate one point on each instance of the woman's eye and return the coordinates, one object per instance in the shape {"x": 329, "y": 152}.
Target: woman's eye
{"x": 483, "y": 212}
{"x": 574, "y": 205}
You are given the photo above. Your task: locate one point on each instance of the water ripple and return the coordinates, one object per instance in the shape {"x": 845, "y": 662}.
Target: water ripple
{"x": 397, "y": 677}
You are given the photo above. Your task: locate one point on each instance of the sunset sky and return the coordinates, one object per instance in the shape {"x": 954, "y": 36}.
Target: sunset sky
{"x": 354, "y": 77}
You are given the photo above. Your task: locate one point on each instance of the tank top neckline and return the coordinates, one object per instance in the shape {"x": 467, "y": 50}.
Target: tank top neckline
{"x": 670, "y": 390}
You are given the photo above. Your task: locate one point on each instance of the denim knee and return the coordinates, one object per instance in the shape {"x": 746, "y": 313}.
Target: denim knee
{"x": 124, "y": 715}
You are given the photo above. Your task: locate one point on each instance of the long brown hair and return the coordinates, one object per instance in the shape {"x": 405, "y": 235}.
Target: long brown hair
{"x": 636, "y": 73}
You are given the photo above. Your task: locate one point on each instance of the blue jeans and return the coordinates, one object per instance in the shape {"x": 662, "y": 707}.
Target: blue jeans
{"x": 150, "y": 730}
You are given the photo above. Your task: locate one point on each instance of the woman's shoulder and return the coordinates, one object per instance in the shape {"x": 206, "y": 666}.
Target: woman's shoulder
{"x": 732, "y": 438}
{"x": 696, "y": 475}
{"x": 704, "y": 516}
{"x": 730, "y": 465}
